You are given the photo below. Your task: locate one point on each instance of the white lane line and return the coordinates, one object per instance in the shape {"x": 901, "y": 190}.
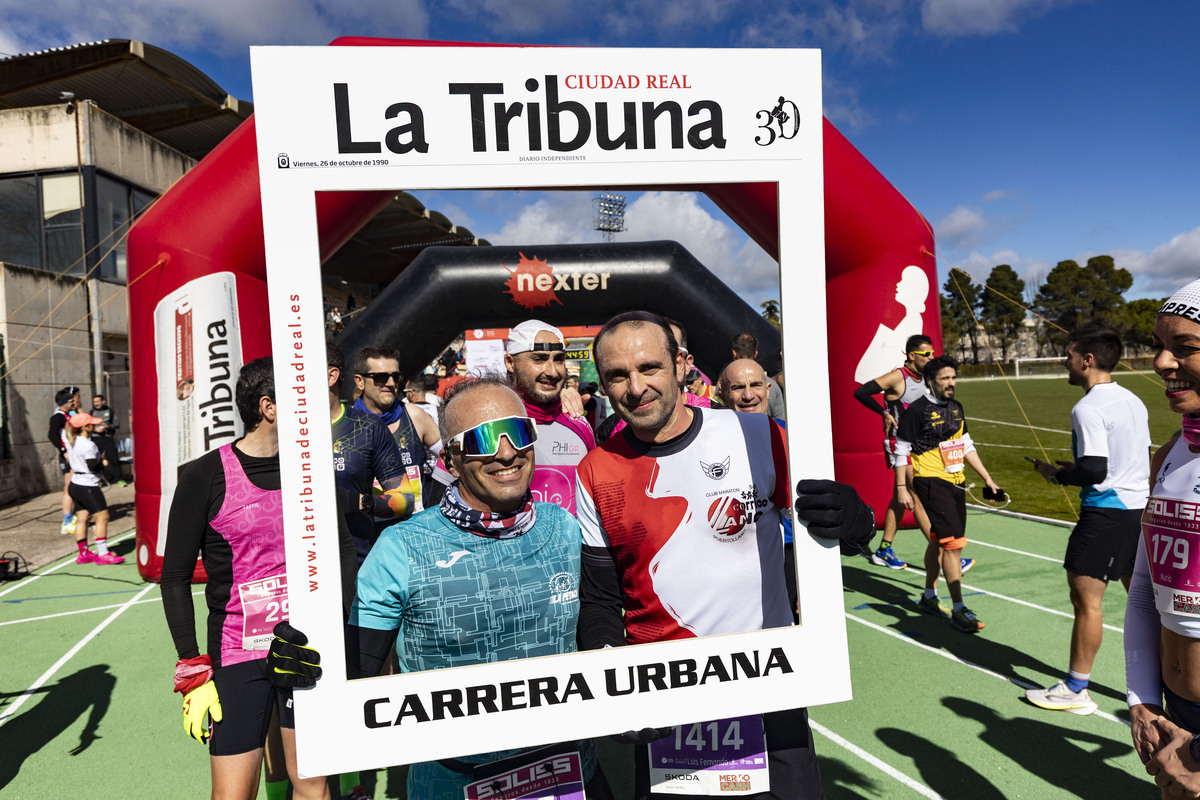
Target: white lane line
{"x": 1019, "y": 425}
{"x": 86, "y": 610}
{"x": 882, "y": 766}
{"x": 68, "y": 561}
{"x": 951, "y": 657}
{"x": 1018, "y": 552}
{"x": 9, "y": 712}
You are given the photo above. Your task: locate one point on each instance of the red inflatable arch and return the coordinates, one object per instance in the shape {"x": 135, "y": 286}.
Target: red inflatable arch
{"x": 199, "y": 270}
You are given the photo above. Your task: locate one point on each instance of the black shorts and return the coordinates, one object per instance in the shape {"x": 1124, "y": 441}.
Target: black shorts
{"x": 1104, "y": 543}
{"x": 88, "y": 497}
{"x": 247, "y": 697}
{"x": 791, "y": 759}
{"x": 946, "y": 505}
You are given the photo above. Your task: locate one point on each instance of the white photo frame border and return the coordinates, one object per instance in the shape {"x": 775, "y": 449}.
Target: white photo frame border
{"x": 347, "y": 725}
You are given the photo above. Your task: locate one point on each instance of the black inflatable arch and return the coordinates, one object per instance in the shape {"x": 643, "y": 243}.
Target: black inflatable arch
{"x": 448, "y": 288}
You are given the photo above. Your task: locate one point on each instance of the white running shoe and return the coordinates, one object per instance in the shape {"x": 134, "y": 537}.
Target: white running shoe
{"x": 1059, "y": 698}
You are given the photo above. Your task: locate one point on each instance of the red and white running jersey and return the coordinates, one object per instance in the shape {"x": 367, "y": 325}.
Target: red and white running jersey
{"x": 693, "y": 525}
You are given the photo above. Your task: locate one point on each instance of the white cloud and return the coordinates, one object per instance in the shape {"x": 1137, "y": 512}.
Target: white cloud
{"x": 1164, "y": 269}
{"x": 738, "y": 261}
{"x": 559, "y": 218}
{"x": 866, "y": 29}
{"x": 224, "y": 26}
{"x": 842, "y": 106}
{"x": 999, "y": 194}
{"x": 979, "y": 266}
{"x": 961, "y": 229}
{"x": 982, "y": 17}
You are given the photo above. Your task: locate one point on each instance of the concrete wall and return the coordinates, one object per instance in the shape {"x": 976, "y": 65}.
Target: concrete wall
{"x": 44, "y": 138}
{"x": 47, "y": 345}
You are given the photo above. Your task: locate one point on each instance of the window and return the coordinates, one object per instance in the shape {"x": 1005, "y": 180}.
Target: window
{"x": 19, "y": 225}
{"x": 61, "y": 217}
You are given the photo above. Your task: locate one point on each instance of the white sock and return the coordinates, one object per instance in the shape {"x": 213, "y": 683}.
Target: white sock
{"x": 102, "y": 547}
{"x": 959, "y": 606}
{"x": 929, "y": 594}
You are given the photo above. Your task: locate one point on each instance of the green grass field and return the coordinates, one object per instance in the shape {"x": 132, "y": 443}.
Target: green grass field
{"x": 1000, "y": 415}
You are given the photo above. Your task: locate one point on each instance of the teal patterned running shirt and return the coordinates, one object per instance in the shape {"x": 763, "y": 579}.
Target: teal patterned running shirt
{"x": 460, "y": 599}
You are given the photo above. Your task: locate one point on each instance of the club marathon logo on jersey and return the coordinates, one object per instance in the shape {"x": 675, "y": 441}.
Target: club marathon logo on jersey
{"x": 727, "y": 516}
{"x": 533, "y": 283}
{"x": 716, "y": 470}
{"x": 564, "y": 588}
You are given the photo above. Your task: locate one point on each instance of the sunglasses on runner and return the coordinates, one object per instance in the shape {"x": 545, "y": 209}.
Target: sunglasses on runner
{"x": 483, "y": 441}
{"x": 381, "y": 378}
{"x": 922, "y": 352}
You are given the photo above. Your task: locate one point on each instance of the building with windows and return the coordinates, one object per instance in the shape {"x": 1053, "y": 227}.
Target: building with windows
{"x": 90, "y": 135}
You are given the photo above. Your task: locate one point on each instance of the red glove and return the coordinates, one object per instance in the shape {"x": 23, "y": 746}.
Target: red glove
{"x": 191, "y": 673}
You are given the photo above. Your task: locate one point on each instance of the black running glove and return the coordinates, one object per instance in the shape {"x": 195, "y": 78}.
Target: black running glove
{"x": 833, "y": 510}
{"x": 644, "y": 736}
{"x": 290, "y": 664}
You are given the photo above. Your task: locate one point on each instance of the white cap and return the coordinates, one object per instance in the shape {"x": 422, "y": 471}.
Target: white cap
{"x": 521, "y": 338}
{"x": 1184, "y": 303}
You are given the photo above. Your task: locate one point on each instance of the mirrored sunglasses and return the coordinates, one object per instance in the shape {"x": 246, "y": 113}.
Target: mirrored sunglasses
{"x": 484, "y": 440}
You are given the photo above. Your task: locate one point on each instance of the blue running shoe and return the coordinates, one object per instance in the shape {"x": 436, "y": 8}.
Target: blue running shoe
{"x": 885, "y": 557}
{"x": 966, "y": 563}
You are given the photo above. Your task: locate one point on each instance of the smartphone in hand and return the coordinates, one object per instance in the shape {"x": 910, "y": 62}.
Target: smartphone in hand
{"x": 997, "y": 496}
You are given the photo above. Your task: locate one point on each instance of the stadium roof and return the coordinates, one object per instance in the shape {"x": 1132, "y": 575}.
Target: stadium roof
{"x": 143, "y": 85}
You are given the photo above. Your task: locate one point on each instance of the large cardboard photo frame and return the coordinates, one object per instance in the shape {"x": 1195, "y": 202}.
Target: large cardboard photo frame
{"x": 389, "y": 118}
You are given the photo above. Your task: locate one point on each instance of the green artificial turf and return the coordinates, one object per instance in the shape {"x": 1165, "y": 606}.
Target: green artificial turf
{"x": 1041, "y": 403}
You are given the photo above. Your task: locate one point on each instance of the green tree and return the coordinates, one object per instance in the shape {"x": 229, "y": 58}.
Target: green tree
{"x": 1000, "y": 310}
{"x": 770, "y": 312}
{"x": 1105, "y": 285}
{"x": 1137, "y": 324}
{"x": 962, "y": 295}
{"x": 951, "y": 333}
{"x": 1059, "y": 300}
{"x": 1074, "y": 296}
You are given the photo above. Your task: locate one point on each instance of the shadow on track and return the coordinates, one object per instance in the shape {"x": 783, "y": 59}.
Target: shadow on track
{"x": 35, "y": 726}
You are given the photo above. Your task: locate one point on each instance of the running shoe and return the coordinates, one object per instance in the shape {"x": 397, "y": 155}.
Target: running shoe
{"x": 68, "y": 526}
{"x": 885, "y": 557}
{"x": 966, "y": 564}
{"x": 357, "y": 793}
{"x": 1059, "y": 698}
{"x": 965, "y": 620}
{"x": 86, "y": 557}
{"x": 930, "y": 605}
{"x": 109, "y": 558}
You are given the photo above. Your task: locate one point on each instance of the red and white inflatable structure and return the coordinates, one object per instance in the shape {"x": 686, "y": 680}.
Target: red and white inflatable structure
{"x": 198, "y": 304}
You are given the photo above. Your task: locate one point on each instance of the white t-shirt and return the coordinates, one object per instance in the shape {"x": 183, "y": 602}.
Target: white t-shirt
{"x": 1110, "y": 421}
{"x": 83, "y": 449}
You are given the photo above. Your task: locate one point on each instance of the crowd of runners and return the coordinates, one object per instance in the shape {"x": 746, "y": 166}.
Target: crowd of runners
{"x": 501, "y": 482}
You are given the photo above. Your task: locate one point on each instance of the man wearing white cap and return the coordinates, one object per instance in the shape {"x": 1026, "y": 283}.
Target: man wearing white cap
{"x": 536, "y": 361}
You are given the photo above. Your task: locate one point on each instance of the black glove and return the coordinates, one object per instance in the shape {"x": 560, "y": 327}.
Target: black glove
{"x": 644, "y": 736}
{"x": 291, "y": 665}
{"x": 833, "y": 510}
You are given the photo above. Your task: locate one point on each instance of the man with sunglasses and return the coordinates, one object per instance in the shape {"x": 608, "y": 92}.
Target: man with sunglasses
{"x": 377, "y": 382}
{"x": 671, "y": 552}
{"x": 536, "y": 361}
{"x": 447, "y": 580}
{"x": 900, "y": 388}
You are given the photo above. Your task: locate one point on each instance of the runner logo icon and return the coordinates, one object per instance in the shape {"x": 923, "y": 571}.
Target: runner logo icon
{"x": 716, "y": 471}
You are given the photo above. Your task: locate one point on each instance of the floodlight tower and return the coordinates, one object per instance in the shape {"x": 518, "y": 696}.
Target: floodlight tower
{"x": 610, "y": 214}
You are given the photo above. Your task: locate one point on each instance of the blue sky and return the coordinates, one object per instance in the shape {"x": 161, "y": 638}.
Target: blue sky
{"x": 1026, "y": 131}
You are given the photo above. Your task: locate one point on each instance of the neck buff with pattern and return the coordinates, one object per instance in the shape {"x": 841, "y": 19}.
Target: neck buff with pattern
{"x": 1186, "y": 303}
{"x": 493, "y": 525}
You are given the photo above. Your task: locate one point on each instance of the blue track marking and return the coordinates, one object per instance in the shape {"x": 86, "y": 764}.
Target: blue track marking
{"x": 68, "y": 596}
